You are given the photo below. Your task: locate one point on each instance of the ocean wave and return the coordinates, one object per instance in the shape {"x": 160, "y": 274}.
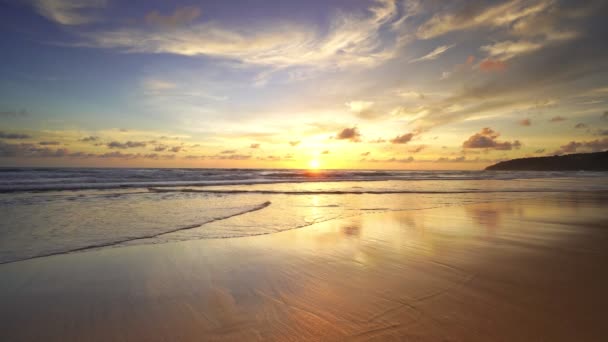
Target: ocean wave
{"x": 140, "y": 237}
{"x": 61, "y": 179}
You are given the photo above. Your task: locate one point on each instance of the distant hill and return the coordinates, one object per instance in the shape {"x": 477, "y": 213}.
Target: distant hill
{"x": 571, "y": 162}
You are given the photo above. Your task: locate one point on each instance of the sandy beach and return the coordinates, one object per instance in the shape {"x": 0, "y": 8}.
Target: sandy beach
{"x": 522, "y": 270}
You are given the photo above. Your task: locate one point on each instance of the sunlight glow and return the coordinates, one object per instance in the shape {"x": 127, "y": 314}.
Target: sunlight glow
{"x": 314, "y": 164}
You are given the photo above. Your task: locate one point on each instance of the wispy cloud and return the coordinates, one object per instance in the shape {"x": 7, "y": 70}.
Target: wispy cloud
{"x": 69, "y": 12}
{"x": 180, "y": 16}
{"x": 351, "y": 40}
{"x": 440, "y": 50}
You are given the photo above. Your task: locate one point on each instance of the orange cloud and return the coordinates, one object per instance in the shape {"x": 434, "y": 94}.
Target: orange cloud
{"x": 525, "y": 122}
{"x": 490, "y": 65}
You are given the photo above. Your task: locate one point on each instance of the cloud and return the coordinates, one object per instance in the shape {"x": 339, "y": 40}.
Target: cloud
{"x": 181, "y": 16}
{"x": 440, "y": 50}
{"x": 557, "y": 119}
{"x": 90, "y": 139}
{"x": 294, "y": 143}
{"x": 351, "y": 134}
{"x": 230, "y": 157}
{"x": 325, "y": 152}
{"x": 417, "y": 149}
{"x": 489, "y": 65}
{"x": 402, "y": 139}
{"x": 254, "y": 146}
{"x": 509, "y": 49}
{"x": 351, "y": 40}
{"x": 128, "y": 144}
{"x": 4, "y": 135}
{"x": 539, "y": 151}
{"x": 49, "y": 143}
{"x": 477, "y": 14}
{"x": 27, "y": 150}
{"x": 117, "y": 154}
{"x": 605, "y": 115}
{"x": 525, "y": 122}
{"x": 580, "y": 125}
{"x": 176, "y": 149}
{"x": 365, "y": 154}
{"x": 13, "y": 113}
{"x": 393, "y": 160}
{"x": 460, "y": 159}
{"x": 363, "y": 109}
{"x": 597, "y": 145}
{"x": 68, "y": 12}
{"x": 155, "y": 85}
{"x": 487, "y": 139}
{"x": 228, "y": 152}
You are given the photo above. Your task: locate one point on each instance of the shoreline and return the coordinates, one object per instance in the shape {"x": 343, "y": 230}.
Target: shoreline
{"x": 526, "y": 269}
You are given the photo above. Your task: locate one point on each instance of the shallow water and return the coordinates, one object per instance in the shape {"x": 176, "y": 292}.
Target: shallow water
{"x": 116, "y": 207}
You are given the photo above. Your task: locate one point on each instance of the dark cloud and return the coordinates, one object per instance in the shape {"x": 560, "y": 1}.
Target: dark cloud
{"x": 365, "y": 154}
{"x": 26, "y": 150}
{"x": 588, "y": 146}
{"x": 160, "y": 148}
{"x": 294, "y": 143}
{"x": 393, "y": 160}
{"x": 156, "y": 156}
{"x": 377, "y": 141}
{"x": 557, "y": 119}
{"x": 351, "y": 134}
{"x": 254, "y": 146}
{"x": 125, "y": 145}
{"x": 460, "y": 159}
{"x": 90, "y": 139}
{"x": 605, "y": 115}
{"x": 231, "y": 157}
{"x": 580, "y": 125}
{"x": 487, "y": 138}
{"x": 29, "y": 150}
{"x": 176, "y": 149}
{"x": 118, "y": 154}
{"x": 4, "y": 135}
{"x": 525, "y": 122}
{"x": 402, "y": 139}
{"x": 539, "y": 151}
{"x": 325, "y": 152}
{"x": 49, "y": 143}
{"x": 228, "y": 152}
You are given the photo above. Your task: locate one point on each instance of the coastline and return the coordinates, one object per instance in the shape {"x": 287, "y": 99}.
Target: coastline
{"x": 528, "y": 269}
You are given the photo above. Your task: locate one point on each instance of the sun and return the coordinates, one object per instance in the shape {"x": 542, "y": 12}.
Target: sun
{"x": 314, "y": 164}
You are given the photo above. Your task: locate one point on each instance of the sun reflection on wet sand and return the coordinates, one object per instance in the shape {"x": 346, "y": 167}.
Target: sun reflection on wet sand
{"x": 502, "y": 270}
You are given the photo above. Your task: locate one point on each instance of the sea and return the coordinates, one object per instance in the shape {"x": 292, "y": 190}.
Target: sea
{"x": 50, "y": 211}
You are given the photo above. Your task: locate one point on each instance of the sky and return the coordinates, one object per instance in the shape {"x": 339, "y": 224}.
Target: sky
{"x": 382, "y": 84}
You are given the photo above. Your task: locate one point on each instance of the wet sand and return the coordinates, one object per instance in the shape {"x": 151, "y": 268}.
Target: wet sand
{"x": 525, "y": 270}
